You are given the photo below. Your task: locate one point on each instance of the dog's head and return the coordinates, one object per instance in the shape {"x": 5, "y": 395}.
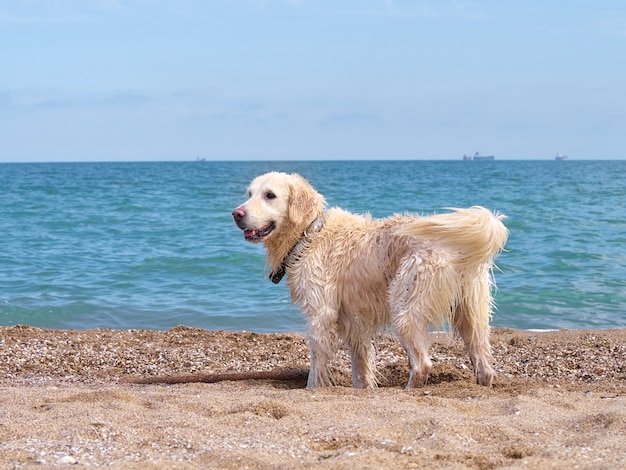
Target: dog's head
{"x": 277, "y": 203}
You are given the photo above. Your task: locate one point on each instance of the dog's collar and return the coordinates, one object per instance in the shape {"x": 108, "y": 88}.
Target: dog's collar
{"x": 297, "y": 250}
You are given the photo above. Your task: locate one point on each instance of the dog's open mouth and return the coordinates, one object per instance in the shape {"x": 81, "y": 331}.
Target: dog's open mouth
{"x": 259, "y": 234}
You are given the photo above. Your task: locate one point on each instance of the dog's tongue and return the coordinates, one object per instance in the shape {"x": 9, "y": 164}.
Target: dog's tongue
{"x": 249, "y": 233}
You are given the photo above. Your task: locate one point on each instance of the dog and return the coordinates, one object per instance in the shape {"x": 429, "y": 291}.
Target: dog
{"x": 353, "y": 275}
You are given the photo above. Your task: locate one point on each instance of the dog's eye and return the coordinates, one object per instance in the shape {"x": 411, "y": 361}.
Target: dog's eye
{"x": 270, "y": 195}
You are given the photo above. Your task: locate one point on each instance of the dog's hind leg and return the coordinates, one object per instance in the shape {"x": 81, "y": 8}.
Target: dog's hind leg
{"x": 420, "y": 295}
{"x": 409, "y": 318}
{"x": 478, "y": 348}
{"x": 471, "y": 321}
{"x": 415, "y": 339}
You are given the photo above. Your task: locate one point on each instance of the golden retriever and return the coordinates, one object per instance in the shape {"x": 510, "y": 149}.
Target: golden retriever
{"x": 353, "y": 275}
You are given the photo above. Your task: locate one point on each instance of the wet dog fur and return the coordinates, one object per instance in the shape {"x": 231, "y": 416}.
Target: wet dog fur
{"x": 359, "y": 275}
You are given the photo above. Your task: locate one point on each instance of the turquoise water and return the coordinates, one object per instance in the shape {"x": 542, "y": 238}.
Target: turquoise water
{"x": 153, "y": 245}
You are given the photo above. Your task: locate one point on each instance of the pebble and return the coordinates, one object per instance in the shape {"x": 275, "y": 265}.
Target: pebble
{"x": 68, "y": 460}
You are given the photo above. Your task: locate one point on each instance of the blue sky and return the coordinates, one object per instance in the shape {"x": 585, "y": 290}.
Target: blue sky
{"x": 85, "y": 80}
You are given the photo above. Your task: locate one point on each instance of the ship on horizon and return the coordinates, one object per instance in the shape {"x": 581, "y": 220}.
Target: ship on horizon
{"x": 478, "y": 157}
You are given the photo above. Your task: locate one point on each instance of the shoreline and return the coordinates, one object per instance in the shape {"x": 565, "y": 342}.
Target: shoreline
{"x": 559, "y": 400}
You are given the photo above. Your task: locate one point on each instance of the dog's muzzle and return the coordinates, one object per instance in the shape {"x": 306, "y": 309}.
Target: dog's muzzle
{"x": 250, "y": 234}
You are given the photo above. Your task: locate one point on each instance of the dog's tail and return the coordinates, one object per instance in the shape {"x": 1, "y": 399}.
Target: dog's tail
{"x": 477, "y": 233}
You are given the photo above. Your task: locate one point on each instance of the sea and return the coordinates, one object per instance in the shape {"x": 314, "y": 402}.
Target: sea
{"x": 152, "y": 245}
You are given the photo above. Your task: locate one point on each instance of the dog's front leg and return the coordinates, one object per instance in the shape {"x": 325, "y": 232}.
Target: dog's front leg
{"x": 363, "y": 355}
{"x": 322, "y": 344}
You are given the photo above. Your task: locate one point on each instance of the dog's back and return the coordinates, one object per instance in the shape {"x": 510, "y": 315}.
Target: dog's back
{"x": 406, "y": 272}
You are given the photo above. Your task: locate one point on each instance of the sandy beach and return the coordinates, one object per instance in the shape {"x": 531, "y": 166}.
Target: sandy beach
{"x": 559, "y": 401}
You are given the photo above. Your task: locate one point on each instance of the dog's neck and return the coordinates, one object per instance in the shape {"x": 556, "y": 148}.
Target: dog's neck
{"x": 296, "y": 250}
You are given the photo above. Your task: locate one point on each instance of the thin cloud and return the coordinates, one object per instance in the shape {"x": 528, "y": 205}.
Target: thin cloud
{"x": 39, "y": 100}
{"x": 350, "y": 118}
{"x": 54, "y": 103}
{"x": 6, "y": 100}
{"x": 74, "y": 11}
{"x": 127, "y": 98}
{"x": 425, "y": 9}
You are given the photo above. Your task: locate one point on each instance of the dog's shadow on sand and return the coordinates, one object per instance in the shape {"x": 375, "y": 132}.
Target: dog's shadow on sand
{"x": 397, "y": 375}
{"x": 393, "y": 376}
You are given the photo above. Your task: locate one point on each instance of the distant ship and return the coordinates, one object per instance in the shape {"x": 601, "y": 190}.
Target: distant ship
{"x": 478, "y": 157}
{"x": 560, "y": 157}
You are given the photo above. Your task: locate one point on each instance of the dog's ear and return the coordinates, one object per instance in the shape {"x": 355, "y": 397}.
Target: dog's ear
{"x": 303, "y": 200}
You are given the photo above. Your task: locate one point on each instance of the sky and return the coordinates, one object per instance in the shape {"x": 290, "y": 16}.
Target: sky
{"x": 99, "y": 80}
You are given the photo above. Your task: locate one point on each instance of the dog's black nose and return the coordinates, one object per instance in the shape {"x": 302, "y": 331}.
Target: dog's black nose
{"x": 238, "y": 214}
